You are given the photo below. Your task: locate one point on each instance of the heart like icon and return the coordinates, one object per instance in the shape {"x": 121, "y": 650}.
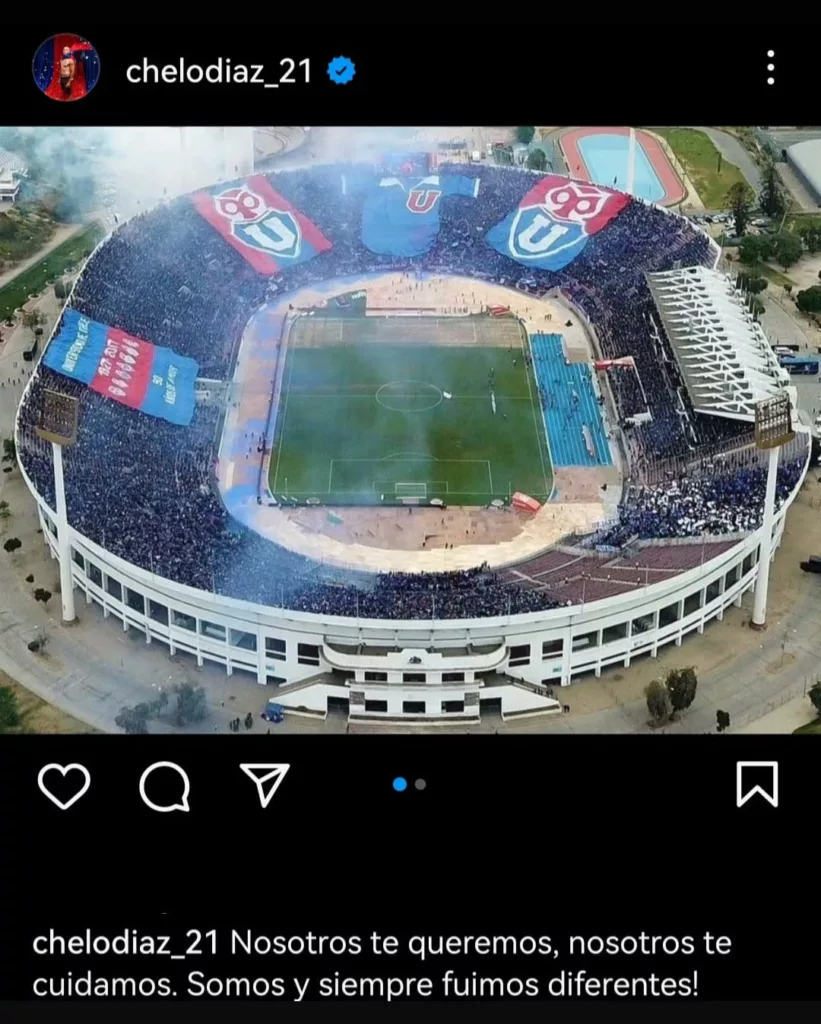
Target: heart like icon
{"x": 64, "y": 770}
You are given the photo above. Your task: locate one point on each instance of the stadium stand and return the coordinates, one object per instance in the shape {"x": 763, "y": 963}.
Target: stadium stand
{"x": 143, "y": 489}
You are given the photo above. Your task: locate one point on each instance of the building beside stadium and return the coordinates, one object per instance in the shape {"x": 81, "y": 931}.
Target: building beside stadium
{"x": 169, "y": 511}
{"x": 805, "y": 160}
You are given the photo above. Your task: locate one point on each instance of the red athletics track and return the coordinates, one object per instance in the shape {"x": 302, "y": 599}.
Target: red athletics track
{"x": 674, "y": 190}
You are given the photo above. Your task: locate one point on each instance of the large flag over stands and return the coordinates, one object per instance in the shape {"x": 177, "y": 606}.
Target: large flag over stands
{"x": 401, "y": 216}
{"x": 553, "y": 222}
{"x": 263, "y": 227}
{"x": 128, "y": 370}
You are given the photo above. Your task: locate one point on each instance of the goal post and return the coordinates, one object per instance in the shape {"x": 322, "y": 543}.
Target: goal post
{"x": 411, "y": 490}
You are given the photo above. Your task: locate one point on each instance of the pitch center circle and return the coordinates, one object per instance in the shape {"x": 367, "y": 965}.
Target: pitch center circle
{"x": 409, "y": 396}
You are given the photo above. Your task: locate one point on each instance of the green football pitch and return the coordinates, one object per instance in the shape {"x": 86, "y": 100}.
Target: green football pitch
{"x": 370, "y": 424}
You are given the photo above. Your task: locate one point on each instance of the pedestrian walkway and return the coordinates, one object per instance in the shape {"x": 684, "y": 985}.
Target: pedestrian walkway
{"x": 62, "y": 234}
{"x": 569, "y": 401}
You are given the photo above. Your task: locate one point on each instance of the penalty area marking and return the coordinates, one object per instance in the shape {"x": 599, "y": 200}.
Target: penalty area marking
{"x": 432, "y": 485}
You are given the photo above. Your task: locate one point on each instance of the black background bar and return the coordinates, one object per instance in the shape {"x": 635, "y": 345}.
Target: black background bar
{"x": 439, "y": 74}
{"x": 511, "y": 835}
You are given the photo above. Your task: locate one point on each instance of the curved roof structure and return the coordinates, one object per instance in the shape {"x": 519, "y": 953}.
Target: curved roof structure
{"x": 806, "y": 159}
{"x": 725, "y": 358}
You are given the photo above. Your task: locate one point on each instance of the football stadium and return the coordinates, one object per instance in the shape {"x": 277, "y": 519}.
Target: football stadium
{"x": 411, "y": 438}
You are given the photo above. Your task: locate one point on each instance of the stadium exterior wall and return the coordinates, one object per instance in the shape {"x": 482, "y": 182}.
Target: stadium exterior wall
{"x": 307, "y": 659}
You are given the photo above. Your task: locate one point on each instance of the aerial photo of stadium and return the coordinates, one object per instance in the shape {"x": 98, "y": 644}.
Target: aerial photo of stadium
{"x": 397, "y": 432}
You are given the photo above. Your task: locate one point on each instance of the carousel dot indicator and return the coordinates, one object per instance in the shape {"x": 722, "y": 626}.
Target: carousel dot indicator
{"x": 400, "y": 784}
{"x": 419, "y": 784}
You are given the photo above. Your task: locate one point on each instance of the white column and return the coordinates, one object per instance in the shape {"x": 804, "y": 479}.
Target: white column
{"x": 631, "y": 163}
{"x": 762, "y": 583}
{"x": 63, "y": 543}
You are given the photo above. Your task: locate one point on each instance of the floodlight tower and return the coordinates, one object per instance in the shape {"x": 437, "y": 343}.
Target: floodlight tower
{"x": 58, "y": 424}
{"x": 631, "y": 164}
{"x": 773, "y": 429}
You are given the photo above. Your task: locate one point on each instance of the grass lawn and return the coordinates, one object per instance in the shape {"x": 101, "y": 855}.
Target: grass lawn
{"x": 700, "y": 160}
{"x": 39, "y": 716}
{"x": 810, "y": 729}
{"x": 776, "y": 277}
{"x": 359, "y": 421}
{"x": 33, "y": 280}
{"x": 793, "y": 223}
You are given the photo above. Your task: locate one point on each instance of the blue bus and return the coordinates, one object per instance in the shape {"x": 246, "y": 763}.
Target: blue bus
{"x": 799, "y": 364}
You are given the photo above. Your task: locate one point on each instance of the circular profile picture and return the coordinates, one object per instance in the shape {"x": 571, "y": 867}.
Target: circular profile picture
{"x": 66, "y": 67}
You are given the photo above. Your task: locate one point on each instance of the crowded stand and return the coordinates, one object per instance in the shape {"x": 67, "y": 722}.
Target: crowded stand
{"x": 144, "y": 489}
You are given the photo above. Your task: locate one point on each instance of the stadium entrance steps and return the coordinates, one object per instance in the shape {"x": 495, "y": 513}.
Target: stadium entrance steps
{"x": 425, "y": 705}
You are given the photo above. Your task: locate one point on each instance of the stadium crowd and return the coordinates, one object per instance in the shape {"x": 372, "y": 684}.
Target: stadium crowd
{"x": 144, "y": 489}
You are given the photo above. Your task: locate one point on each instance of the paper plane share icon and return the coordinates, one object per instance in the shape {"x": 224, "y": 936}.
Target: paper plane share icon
{"x": 267, "y": 778}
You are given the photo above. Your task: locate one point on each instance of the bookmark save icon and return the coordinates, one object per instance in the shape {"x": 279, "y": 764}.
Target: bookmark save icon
{"x": 267, "y": 778}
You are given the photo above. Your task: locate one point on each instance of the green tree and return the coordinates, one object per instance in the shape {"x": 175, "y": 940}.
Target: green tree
{"x": 751, "y": 284}
{"x": 9, "y": 450}
{"x": 722, "y": 721}
{"x": 810, "y": 235}
{"x": 658, "y": 701}
{"x": 10, "y": 717}
{"x": 12, "y": 544}
{"x": 536, "y": 160}
{"x": 787, "y": 249}
{"x": 159, "y": 704}
{"x": 809, "y": 300}
{"x": 755, "y": 248}
{"x": 525, "y": 134}
{"x": 772, "y": 200}
{"x": 739, "y": 201}
{"x": 191, "y": 705}
{"x": 133, "y": 721}
{"x": 681, "y": 684}
{"x": 40, "y": 594}
{"x": 815, "y": 696}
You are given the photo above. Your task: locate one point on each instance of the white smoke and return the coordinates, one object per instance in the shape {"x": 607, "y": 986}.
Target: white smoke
{"x": 132, "y": 169}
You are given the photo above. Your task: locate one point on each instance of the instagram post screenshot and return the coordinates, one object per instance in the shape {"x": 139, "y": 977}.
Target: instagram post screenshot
{"x": 410, "y": 585}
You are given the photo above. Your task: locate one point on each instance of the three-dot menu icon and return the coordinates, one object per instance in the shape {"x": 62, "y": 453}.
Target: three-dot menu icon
{"x": 770, "y": 67}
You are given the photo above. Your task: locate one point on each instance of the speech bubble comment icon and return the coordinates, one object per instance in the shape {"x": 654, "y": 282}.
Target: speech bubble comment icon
{"x": 182, "y": 805}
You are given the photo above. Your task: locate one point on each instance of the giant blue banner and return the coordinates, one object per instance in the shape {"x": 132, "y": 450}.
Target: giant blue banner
{"x": 126, "y": 369}
{"x": 401, "y": 216}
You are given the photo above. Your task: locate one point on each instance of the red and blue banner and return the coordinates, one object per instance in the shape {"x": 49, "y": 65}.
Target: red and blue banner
{"x": 553, "y": 222}
{"x": 263, "y": 227}
{"x": 128, "y": 370}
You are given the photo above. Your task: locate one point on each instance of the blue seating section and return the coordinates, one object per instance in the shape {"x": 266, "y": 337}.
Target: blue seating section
{"x": 564, "y": 414}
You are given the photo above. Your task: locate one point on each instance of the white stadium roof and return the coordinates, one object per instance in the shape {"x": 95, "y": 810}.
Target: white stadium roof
{"x": 10, "y": 163}
{"x": 725, "y": 358}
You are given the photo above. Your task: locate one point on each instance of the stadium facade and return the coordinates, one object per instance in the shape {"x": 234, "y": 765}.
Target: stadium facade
{"x": 312, "y": 662}
{"x": 420, "y": 669}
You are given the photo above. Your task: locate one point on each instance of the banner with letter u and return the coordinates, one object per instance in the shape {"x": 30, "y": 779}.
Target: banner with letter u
{"x": 263, "y": 227}
{"x": 553, "y": 222}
